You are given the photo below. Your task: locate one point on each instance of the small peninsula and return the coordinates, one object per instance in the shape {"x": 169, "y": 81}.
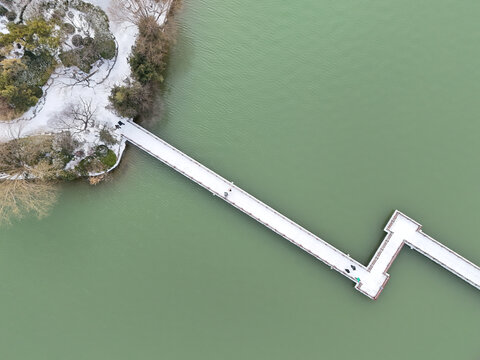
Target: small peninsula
{"x": 70, "y": 71}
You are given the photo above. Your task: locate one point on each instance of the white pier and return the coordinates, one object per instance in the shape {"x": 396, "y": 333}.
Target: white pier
{"x": 369, "y": 280}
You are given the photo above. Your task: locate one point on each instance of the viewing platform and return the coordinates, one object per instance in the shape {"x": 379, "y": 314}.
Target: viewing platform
{"x": 369, "y": 280}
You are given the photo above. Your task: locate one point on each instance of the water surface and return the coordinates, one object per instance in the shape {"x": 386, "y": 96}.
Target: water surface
{"x": 333, "y": 112}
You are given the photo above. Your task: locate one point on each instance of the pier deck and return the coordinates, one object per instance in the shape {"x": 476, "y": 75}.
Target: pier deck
{"x": 369, "y": 280}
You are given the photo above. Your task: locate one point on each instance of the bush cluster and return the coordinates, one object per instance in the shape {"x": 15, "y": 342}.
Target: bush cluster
{"x": 21, "y": 79}
{"x": 147, "y": 62}
{"x": 11, "y": 15}
{"x": 149, "y": 52}
{"x": 102, "y": 160}
{"x": 131, "y": 99}
{"x": 107, "y": 137}
{"x": 35, "y": 34}
{"x": 19, "y": 89}
{"x": 35, "y": 155}
{"x": 89, "y": 50}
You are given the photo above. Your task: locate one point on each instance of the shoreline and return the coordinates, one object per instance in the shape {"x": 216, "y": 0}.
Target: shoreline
{"x": 123, "y": 141}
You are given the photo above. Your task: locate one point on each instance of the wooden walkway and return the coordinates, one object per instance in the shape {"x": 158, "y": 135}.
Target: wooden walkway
{"x": 369, "y": 280}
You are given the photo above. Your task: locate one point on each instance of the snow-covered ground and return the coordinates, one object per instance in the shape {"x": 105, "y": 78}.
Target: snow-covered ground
{"x": 3, "y": 25}
{"x": 63, "y": 89}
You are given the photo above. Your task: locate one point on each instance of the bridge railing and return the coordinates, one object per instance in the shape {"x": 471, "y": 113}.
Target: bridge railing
{"x": 244, "y": 193}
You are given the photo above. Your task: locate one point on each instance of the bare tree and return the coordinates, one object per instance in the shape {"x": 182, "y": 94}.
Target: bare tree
{"x": 20, "y": 197}
{"x": 76, "y": 117}
{"x": 26, "y": 178}
{"x": 19, "y": 154}
{"x": 65, "y": 142}
{"x": 6, "y": 112}
{"x": 107, "y": 136}
{"x": 134, "y": 10}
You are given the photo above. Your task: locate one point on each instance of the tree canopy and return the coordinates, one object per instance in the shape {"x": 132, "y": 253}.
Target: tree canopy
{"x": 32, "y": 35}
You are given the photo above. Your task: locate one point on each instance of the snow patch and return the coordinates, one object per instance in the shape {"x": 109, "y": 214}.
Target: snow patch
{"x": 3, "y": 25}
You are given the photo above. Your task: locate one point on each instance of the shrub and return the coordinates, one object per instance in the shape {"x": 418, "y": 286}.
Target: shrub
{"x": 39, "y": 68}
{"x": 3, "y": 11}
{"x": 37, "y": 91}
{"x": 6, "y": 111}
{"x": 96, "y": 164}
{"x": 107, "y": 137}
{"x": 131, "y": 100}
{"x": 88, "y": 165}
{"x": 77, "y": 40}
{"x": 148, "y": 54}
{"x": 21, "y": 80}
{"x": 101, "y": 150}
{"x": 91, "y": 51}
{"x": 70, "y": 58}
{"x": 34, "y": 34}
{"x": 63, "y": 158}
{"x": 11, "y": 15}
{"x": 19, "y": 98}
{"x": 67, "y": 175}
{"x": 83, "y": 58}
{"x": 58, "y": 15}
{"x": 103, "y": 45}
{"x": 84, "y": 166}
{"x": 68, "y": 28}
{"x": 81, "y": 168}
{"x": 13, "y": 91}
{"x": 65, "y": 142}
{"x": 143, "y": 70}
{"x": 87, "y": 40}
{"x": 107, "y": 49}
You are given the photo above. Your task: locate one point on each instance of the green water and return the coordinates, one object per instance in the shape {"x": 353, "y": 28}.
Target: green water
{"x": 333, "y": 112}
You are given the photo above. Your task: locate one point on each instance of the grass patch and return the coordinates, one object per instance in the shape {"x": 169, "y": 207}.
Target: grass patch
{"x": 110, "y": 159}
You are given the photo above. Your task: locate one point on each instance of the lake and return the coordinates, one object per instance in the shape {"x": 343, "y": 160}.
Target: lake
{"x": 335, "y": 113}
